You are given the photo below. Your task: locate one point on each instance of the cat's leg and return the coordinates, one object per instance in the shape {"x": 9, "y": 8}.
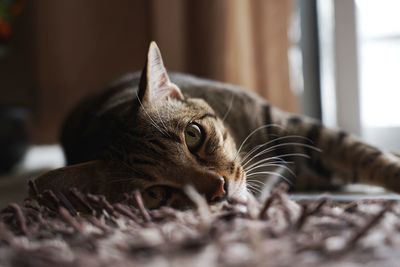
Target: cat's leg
{"x": 96, "y": 177}
{"x": 340, "y": 158}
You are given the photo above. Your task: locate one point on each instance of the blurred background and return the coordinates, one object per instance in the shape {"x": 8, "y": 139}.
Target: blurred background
{"x": 335, "y": 60}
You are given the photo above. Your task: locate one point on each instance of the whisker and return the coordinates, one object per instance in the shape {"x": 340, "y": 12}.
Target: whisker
{"x": 271, "y": 173}
{"x": 162, "y": 123}
{"x": 248, "y": 154}
{"x": 271, "y": 165}
{"x": 229, "y": 108}
{"x": 270, "y": 149}
{"x": 152, "y": 122}
{"x": 302, "y": 155}
{"x": 255, "y": 182}
{"x": 253, "y": 132}
{"x": 270, "y": 160}
{"x": 253, "y": 188}
{"x": 263, "y": 160}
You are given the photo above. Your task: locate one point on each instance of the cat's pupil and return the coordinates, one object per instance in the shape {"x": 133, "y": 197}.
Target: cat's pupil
{"x": 153, "y": 194}
{"x": 156, "y": 192}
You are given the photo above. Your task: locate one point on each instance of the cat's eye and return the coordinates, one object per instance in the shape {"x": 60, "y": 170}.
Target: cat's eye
{"x": 194, "y": 136}
{"x": 155, "y": 196}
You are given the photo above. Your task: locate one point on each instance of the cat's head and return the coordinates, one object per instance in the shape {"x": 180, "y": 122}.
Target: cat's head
{"x": 172, "y": 141}
{"x": 179, "y": 141}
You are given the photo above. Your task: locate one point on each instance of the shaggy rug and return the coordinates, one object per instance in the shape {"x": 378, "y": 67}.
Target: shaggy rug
{"x": 87, "y": 230}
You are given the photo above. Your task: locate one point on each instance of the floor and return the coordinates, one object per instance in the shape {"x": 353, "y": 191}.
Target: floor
{"x": 38, "y": 159}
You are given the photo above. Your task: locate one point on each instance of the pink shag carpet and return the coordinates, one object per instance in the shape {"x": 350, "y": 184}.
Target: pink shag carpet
{"x": 86, "y": 230}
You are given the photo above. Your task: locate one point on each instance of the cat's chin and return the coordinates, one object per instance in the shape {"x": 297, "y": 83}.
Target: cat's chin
{"x": 242, "y": 196}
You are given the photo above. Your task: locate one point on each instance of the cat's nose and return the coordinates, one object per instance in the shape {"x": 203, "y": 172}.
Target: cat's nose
{"x": 220, "y": 191}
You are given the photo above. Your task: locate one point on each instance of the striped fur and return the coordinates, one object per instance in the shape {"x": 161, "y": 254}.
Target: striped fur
{"x": 131, "y": 136}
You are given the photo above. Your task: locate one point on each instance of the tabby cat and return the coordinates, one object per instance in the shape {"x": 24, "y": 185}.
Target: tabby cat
{"x": 158, "y": 133}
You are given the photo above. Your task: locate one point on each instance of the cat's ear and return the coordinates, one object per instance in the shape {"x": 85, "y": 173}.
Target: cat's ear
{"x": 154, "y": 83}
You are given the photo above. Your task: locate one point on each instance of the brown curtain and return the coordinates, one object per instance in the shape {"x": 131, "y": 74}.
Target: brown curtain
{"x": 241, "y": 42}
{"x": 79, "y": 46}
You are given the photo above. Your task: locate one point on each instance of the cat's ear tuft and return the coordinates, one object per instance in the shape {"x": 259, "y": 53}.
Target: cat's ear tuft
{"x": 155, "y": 84}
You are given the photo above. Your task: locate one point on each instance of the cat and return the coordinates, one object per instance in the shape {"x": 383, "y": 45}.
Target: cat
{"x": 157, "y": 133}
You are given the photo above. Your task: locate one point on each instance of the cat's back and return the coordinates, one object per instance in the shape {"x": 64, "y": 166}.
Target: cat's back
{"x": 94, "y": 121}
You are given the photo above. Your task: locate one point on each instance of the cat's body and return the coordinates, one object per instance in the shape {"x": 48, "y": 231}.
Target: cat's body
{"x": 312, "y": 156}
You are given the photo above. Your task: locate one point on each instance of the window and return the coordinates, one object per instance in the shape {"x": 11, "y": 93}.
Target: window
{"x": 366, "y": 75}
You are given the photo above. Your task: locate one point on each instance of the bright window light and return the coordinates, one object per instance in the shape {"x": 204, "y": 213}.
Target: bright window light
{"x": 379, "y": 55}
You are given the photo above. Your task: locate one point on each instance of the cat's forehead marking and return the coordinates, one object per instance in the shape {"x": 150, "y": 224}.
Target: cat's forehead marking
{"x": 208, "y": 115}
